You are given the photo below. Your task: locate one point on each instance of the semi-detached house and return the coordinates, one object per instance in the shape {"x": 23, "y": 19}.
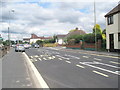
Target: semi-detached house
{"x": 113, "y": 29}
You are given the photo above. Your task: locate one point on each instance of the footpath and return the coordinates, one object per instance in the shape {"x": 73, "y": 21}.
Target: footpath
{"x": 15, "y": 73}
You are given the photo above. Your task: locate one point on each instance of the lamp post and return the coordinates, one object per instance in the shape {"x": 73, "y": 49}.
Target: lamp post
{"x": 95, "y": 25}
{"x": 9, "y": 42}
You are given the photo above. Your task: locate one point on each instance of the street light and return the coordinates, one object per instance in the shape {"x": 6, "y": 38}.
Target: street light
{"x": 9, "y": 42}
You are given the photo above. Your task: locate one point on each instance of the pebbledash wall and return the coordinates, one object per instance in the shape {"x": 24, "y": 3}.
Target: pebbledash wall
{"x": 85, "y": 46}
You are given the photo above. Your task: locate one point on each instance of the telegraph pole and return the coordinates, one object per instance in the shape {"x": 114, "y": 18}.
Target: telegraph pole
{"x": 95, "y": 25}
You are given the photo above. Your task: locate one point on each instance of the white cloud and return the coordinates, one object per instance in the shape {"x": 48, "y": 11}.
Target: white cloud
{"x": 59, "y": 18}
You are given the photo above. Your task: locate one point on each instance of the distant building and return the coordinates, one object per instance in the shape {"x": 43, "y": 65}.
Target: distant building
{"x": 113, "y": 29}
{"x": 60, "y": 39}
{"x": 76, "y": 32}
{"x": 34, "y": 38}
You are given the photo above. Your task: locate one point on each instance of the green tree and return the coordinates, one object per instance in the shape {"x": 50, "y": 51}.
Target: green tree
{"x": 98, "y": 29}
{"x": 39, "y": 42}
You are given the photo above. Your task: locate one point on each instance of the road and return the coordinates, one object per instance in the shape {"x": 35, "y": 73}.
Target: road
{"x": 64, "y": 68}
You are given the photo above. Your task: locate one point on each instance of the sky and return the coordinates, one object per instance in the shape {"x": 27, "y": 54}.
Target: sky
{"x": 50, "y": 17}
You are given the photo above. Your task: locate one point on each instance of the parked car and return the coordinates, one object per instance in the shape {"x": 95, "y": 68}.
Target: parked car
{"x": 19, "y": 48}
{"x": 36, "y": 46}
{"x": 13, "y": 45}
{"x": 27, "y": 46}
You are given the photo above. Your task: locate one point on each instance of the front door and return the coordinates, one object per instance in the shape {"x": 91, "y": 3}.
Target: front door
{"x": 111, "y": 38}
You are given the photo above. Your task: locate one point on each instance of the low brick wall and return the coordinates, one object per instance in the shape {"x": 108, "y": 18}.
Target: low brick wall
{"x": 77, "y": 46}
{"x": 86, "y": 46}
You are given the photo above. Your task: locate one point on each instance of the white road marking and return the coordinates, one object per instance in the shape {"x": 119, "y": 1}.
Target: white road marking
{"x": 40, "y": 59}
{"x": 63, "y": 57}
{"x": 36, "y": 56}
{"x": 117, "y": 72}
{"x": 99, "y": 68}
{"x": 114, "y": 62}
{"x": 31, "y": 56}
{"x": 53, "y": 57}
{"x": 98, "y": 59}
{"x": 94, "y": 62}
{"x": 80, "y": 66}
{"x": 60, "y": 58}
{"x": 35, "y": 59}
{"x": 39, "y": 81}
{"x": 72, "y": 56}
{"x": 85, "y": 56}
{"x": 44, "y": 58}
{"x": 101, "y": 73}
{"x": 68, "y": 61}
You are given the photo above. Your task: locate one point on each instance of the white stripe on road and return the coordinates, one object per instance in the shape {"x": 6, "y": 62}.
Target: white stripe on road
{"x": 72, "y": 56}
{"x": 63, "y": 57}
{"x": 80, "y": 66}
{"x": 40, "y": 59}
{"x": 101, "y": 73}
{"x": 39, "y": 81}
{"x": 60, "y": 58}
{"x": 114, "y": 62}
{"x": 99, "y": 68}
{"x": 85, "y": 56}
{"x": 98, "y": 59}
{"x": 68, "y": 61}
{"x": 44, "y": 58}
{"x": 36, "y": 56}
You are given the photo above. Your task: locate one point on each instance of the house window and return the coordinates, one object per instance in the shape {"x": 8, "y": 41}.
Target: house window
{"x": 110, "y": 20}
{"x": 119, "y": 37}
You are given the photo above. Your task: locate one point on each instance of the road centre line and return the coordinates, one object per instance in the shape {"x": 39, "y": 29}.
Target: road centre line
{"x": 79, "y": 66}
{"x": 72, "y": 56}
{"x": 101, "y": 73}
{"x": 68, "y": 61}
{"x": 114, "y": 62}
{"x": 62, "y": 57}
{"x": 100, "y": 68}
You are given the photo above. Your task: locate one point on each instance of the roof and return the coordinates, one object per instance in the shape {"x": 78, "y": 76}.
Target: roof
{"x": 61, "y": 36}
{"x": 26, "y": 38}
{"x": 113, "y": 11}
{"x": 76, "y": 32}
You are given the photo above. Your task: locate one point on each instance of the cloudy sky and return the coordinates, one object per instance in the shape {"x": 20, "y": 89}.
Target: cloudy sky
{"x": 49, "y": 17}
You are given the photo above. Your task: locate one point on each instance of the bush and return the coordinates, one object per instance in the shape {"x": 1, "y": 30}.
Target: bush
{"x": 89, "y": 38}
{"x": 76, "y": 38}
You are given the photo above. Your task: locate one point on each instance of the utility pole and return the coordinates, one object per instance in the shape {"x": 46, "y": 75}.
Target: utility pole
{"x": 95, "y": 25}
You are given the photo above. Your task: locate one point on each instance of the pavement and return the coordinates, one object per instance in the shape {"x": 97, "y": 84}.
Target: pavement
{"x": 69, "y": 68}
{"x": 15, "y": 73}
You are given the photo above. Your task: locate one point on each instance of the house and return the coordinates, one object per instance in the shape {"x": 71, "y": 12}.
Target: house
{"x": 34, "y": 38}
{"x": 60, "y": 39}
{"x": 76, "y": 32}
{"x": 113, "y": 29}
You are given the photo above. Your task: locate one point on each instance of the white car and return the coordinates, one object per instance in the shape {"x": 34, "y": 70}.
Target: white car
{"x": 36, "y": 46}
{"x": 19, "y": 48}
{"x": 27, "y": 46}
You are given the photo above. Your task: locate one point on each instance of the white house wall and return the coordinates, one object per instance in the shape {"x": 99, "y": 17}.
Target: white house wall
{"x": 113, "y": 29}
{"x": 34, "y": 40}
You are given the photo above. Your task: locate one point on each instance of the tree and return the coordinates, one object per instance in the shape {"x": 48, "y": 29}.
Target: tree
{"x": 39, "y": 42}
{"x": 98, "y": 29}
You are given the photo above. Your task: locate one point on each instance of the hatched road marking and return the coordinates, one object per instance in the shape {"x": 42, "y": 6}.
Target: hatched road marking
{"x": 114, "y": 62}
{"x": 98, "y": 59}
{"x": 60, "y": 58}
{"x": 40, "y": 59}
{"x": 99, "y": 68}
{"x": 85, "y": 56}
{"x": 68, "y": 61}
{"x": 80, "y": 66}
{"x": 101, "y": 73}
